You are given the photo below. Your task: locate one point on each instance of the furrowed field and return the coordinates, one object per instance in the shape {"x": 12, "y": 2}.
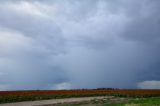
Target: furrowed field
{"x": 15, "y": 96}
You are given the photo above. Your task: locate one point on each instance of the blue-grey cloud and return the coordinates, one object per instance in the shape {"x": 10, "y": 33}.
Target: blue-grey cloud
{"x": 78, "y": 44}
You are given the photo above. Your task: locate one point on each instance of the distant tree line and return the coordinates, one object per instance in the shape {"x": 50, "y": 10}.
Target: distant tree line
{"x": 107, "y": 88}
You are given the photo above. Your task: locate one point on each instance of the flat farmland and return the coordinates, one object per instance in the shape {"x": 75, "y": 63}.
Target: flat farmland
{"x": 31, "y": 95}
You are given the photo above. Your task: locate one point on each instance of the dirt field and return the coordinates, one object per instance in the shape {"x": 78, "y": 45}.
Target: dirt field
{"x": 33, "y": 95}
{"x": 55, "y": 101}
{"x": 92, "y": 101}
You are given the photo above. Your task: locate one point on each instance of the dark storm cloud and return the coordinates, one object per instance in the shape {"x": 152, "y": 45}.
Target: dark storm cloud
{"x": 79, "y": 44}
{"x": 145, "y": 23}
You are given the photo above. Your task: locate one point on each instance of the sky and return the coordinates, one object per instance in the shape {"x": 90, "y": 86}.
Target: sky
{"x": 75, "y": 44}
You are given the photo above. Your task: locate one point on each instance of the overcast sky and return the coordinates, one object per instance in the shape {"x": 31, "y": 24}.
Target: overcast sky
{"x": 70, "y": 44}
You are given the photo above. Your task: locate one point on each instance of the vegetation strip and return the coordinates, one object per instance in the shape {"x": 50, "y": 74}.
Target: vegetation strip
{"x": 17, "y": 96}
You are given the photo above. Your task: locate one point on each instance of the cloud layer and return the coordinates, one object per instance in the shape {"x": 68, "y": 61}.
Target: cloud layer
{"x": 71, "y": 44}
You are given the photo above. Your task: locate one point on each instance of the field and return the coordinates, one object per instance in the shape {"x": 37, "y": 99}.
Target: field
{"x": 16, "y": 96}
{"x": 116, "y": 101}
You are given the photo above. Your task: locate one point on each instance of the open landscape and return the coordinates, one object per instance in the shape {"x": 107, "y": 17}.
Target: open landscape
{"x": 79, "y": 52}
{"x": 100, "y": 97}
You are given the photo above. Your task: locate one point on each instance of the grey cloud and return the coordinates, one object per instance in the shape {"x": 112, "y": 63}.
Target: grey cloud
{"x": 144, "y": 25}
{"x": 78, "y": 44}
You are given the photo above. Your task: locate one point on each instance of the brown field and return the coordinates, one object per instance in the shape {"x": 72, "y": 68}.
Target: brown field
{"x": 15, "y": 96}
